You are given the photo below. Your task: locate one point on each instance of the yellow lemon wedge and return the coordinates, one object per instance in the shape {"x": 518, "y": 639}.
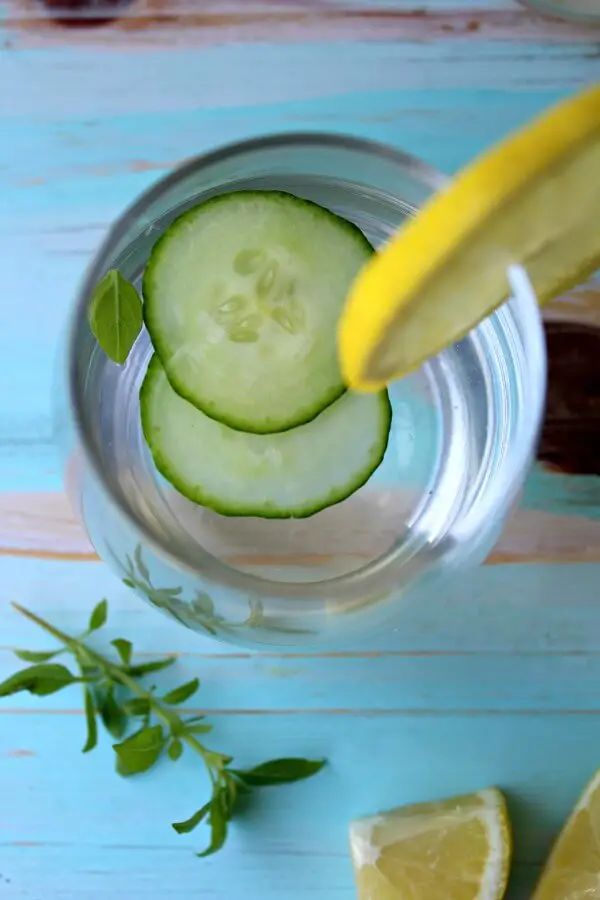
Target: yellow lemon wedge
{"x": 456, "y": 849}
{"x": 531, "y": 200}
{"x": 573, "y": 869}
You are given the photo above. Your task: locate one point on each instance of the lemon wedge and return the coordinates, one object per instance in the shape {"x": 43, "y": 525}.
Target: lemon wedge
{"x": 457, "y": 849}
{"x": 573, "y": 869}
{"x": 531, "y": 200}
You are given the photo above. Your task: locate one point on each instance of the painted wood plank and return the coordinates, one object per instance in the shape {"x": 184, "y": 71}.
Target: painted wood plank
{"x": 44, "y": 525}
{"x": 58, "y": 84}
{"x": 109, "y": 830}
{"x": 550, "y": 615}
{"x": 412, "y": 684}
{"x": 492, "y": 610}
{"x": 161, "y": 25}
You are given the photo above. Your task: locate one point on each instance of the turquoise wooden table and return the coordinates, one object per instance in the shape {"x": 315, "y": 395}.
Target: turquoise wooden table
{"x": 497, "y": 679}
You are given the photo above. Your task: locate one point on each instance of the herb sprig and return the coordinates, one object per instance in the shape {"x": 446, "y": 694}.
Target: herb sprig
{"x": 147, "y": 726}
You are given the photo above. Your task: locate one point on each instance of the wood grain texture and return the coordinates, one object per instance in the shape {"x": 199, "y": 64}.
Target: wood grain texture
{"x": 492, "y": 681}
{"x": 414, "y": 715}
{"x": 163, "y": 23}
{"x": 43, "y": 525}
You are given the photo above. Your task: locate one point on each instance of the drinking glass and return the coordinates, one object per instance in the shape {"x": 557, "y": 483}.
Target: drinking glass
{"x": 463, "y": 433}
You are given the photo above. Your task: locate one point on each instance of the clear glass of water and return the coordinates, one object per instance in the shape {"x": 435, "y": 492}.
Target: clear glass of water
{"x": 463, "y": 434}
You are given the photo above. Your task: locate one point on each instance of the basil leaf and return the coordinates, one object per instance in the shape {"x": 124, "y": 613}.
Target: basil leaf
{"x": 35, "y": 656}
{"x": 280, "y": 771}
{"x": 153, "y": 666}
{"x": 175, "y": 749}
{"x": 217, "y": 818}
{"x": 141, "y": 751}
{"x": 124, "y": 649}
{"x": 182, "y": 693}
{"x": 192, "y": 822}
{"x": 115, "y": 315}
{"x": 41, "y": 679}
{"x": 112, "y": 715}
{"x": 90, "y": 717}
{"x": 98, "y": 616}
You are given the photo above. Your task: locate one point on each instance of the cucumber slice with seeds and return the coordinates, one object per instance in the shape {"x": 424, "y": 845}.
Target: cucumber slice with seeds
{"x": 291, "y": 474}
{"x": 242, "y": 298}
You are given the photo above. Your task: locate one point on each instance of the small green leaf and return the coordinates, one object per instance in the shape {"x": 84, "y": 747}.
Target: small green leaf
{"x": 36, "y": 656}
{"x": 182, "y": 693}
{"x": 141, "y": 565}
{"x": 153, "y": 666}
{"x": 90, "y": 717}
{"x": 129, "y": 583}
{"x": 280, "y": 771}
{"x": 141, "y": 751}
{"x": 199, "y": 729}
{"x": 203, "y": 605}
{"x": 175, "y": 749}
{"x": 43, "y": 679}
{"x": 124, "y": 649}
{"x": 112, "y": 715}
{"x": 137, "y": 706}
{"x": 98, "y": 616}
{"x": 217, "y": 818}
{"x": 175, "y": 722}
{"x": 115, "y": 315}
{"x": 192, "y": 822}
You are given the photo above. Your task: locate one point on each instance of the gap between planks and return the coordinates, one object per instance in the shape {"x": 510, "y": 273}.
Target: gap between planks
{"x": 364, "y": 713}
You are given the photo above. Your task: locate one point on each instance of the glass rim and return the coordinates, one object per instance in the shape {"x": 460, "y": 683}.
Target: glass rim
{"x": 338, "y": 586}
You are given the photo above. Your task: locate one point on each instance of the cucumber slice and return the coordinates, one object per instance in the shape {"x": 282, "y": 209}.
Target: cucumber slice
{"x": 242, "y": 298}
{"x": 291, "y": 474}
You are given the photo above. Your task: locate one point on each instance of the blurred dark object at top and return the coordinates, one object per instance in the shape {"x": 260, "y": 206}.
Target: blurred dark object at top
{"x": 84, "y": 13}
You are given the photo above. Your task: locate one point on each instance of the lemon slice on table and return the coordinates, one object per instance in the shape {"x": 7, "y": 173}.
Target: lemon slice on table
{"x": 573, "y": 869}
{"x": 532, "y": 200}
{"x": 457, "y": 849}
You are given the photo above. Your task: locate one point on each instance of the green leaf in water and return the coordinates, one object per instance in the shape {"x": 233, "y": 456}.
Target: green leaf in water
{"x": 115, "y": 315}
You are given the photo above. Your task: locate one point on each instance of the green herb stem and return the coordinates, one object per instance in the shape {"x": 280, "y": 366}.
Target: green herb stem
{"x": 138, "y": 750}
